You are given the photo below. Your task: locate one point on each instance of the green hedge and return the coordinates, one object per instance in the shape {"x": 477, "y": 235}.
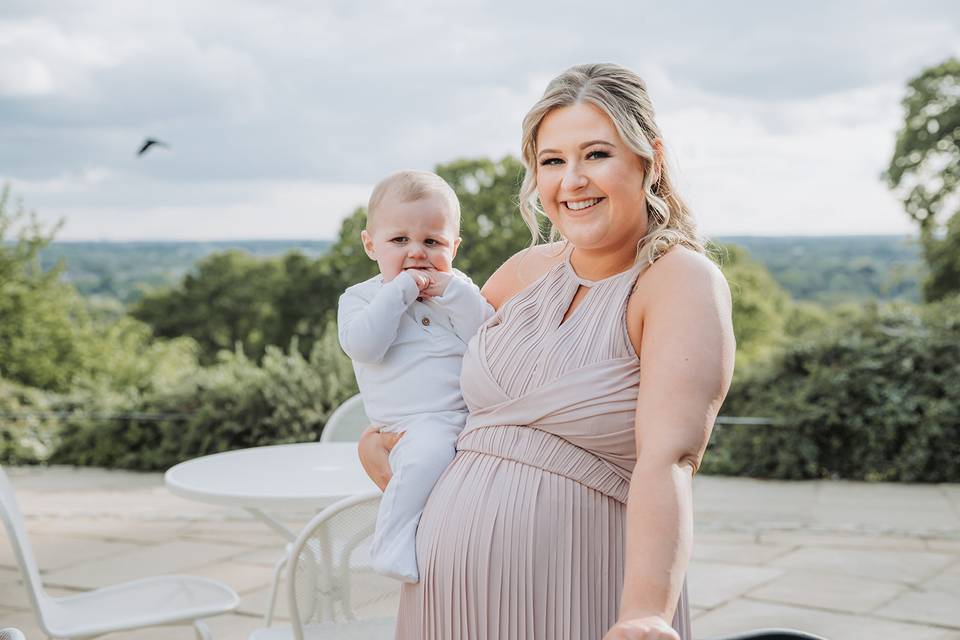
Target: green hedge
{"x": 232, "y": 404}
{"x": 876, "y": 397}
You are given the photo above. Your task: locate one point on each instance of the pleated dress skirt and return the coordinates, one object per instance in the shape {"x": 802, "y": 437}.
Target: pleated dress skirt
{"x": 522, "y": 539}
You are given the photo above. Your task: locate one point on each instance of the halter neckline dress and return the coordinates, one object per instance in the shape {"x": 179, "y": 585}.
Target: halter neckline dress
{"x": 523, "y": 536}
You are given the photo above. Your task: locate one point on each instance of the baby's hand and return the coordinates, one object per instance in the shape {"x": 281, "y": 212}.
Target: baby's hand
{"x": 420, "y": 277}
{"x": 438, "y": 284}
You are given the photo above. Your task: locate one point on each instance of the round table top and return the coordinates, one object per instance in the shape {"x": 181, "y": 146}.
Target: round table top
{"x": 287, "y": 476}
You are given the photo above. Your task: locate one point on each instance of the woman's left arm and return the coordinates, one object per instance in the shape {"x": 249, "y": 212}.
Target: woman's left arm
{"x": 686, "y": 348}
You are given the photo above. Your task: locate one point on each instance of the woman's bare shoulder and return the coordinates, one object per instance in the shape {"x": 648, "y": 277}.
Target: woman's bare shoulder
{"x": 521, "y": 269}
{"x": 681, "y": 269}
{"x": 681, "y": 283}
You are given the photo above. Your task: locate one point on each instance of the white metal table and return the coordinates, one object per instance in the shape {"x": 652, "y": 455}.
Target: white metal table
{"x": 262, "y": 480}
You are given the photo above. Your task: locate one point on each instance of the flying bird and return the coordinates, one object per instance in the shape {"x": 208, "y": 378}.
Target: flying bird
{"x": 150, "y": 142}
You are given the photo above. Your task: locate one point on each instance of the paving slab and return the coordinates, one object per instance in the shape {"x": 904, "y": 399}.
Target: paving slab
{"x": 53, "y": 552}
{"x": 908, "y": 567}
{"x": 829, "y": 591}
{"x": 711, "y": 583}
{"x": 737, "y": 552}
{"x": 744, "y": 615}
{"x": 839, "y": 539}
{"x": 177, "y": 556}
{"x": 925, "y": 606}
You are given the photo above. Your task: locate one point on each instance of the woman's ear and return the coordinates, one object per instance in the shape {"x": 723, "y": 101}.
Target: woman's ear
{"x": 657, "y": 159}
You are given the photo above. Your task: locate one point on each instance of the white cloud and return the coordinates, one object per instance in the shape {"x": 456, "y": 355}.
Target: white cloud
{"x": 780, "y": 117}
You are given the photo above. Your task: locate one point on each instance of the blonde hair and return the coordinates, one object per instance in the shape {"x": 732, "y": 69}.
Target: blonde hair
{"x": 622, "y": 95}
{"x": 410, "y": 186}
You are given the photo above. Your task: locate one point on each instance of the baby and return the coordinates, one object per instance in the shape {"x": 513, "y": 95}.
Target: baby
{"x": 406, "y": 331}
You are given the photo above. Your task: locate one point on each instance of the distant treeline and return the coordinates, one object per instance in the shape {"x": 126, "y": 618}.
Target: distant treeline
{"x": 828, "y": 269}
{"x": 125, "y": 270}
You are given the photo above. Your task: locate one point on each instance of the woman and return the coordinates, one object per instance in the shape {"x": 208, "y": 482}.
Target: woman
{"x": 567, "y": 512}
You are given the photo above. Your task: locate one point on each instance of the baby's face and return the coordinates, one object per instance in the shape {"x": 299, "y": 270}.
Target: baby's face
{"x": 412, "y": 235}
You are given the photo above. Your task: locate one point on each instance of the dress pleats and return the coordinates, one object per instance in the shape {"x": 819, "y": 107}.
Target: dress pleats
{"x": 523, "y": 536}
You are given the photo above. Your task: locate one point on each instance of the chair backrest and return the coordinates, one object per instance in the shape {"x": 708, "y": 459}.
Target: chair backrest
{"x": 329, "y": 574}
{"x": 347, "y": 422}
{"x": 17, "y": 532}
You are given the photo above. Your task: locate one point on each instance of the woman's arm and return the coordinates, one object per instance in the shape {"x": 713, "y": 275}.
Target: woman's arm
{"x": 686, "y": 349}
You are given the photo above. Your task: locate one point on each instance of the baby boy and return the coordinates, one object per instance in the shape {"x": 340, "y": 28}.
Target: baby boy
{"x": 406, "y": 331}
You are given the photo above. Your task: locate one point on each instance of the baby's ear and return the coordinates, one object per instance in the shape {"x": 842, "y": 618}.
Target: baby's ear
{"x": 368, "y": 244}
{"x": 456, "y": 245}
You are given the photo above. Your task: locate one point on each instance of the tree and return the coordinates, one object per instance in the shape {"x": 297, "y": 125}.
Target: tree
{"x": 761, "y": 308}
{"x": 39, "y": 316}
{"x": 925, "y": 170}
{"x": 228, "y": 301}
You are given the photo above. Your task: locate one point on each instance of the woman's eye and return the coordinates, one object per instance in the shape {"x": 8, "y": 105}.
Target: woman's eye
{"x": 550, "y": 162}
{"x": 597, "y": 154}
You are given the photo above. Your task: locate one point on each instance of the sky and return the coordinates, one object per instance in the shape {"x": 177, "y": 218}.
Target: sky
{"x": 779, "y": 117}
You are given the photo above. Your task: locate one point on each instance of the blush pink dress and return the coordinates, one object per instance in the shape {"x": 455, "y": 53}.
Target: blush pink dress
{"x": 523, "y": 535}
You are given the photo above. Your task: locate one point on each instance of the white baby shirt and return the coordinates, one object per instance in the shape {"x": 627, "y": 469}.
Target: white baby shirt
{"x": 407, "y": 354}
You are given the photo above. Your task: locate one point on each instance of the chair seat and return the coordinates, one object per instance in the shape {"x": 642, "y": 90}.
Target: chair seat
{"x": 360, "y": 630}
{"x": 140, "y": 603}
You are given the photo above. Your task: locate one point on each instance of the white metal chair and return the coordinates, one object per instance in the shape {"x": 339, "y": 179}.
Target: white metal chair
{"x": 347, "y": 422}
{"x": 331, "y": 588}
{"x": 163, "y": 600}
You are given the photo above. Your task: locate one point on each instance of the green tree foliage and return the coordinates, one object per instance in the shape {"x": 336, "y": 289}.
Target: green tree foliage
{"x": 491, "y": 226}
{"x": 760, "y": 307}
{"x": 39, "y": 315}
{"x": 925, "y": 170}
{"x": 875, "y": 397}
{"x": 228, "y": 301}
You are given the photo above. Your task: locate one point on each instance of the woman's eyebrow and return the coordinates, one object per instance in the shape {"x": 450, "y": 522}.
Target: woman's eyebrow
{"x": 593, "y": 142}
{"x": 584, "y": 145}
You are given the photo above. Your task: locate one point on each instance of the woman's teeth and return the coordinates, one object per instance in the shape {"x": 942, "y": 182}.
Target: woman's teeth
{"x": 582, "y": 204}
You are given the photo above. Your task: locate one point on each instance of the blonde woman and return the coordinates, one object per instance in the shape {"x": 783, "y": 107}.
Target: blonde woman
{"x": 567, "y": 511}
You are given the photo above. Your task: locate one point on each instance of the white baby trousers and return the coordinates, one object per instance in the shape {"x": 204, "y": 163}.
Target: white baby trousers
{"x": 417, "y": 461}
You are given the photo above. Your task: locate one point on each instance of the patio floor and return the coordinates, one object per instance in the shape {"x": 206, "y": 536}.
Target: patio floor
{"x": 842, "y": 559}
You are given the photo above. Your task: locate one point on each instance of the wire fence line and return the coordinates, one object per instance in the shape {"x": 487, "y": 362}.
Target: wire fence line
{"x": 159, "y": 417}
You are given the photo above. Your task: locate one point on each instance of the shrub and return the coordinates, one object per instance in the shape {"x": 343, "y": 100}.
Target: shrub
{"x": 875, "y": 398}
{"x": 230, "y": 405}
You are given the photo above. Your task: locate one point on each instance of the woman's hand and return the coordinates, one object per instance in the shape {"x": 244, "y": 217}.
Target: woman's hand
{"x": 374, "y": 450}
{"x": 648, "y": 628}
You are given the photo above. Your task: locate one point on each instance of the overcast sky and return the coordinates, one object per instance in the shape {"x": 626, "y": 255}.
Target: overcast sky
{"x": 281, "y": 115}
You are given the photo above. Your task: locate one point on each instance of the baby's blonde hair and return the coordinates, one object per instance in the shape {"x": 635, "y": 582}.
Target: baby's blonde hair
{"x": 622, "y": 95}
{"x": 410, "y": 186}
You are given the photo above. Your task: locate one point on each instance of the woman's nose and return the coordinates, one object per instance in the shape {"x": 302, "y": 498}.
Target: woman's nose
{"x": 573, "y": 178}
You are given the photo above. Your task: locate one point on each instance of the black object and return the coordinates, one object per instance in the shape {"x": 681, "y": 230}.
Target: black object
{"x": 773, "y": 634}
{"x": 150, "y": 142}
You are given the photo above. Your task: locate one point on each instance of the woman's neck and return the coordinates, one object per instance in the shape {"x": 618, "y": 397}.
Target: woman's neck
{"x": 598, "y": 264}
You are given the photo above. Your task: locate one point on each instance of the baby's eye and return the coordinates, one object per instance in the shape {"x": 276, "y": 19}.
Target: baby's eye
{"x": 399, "y": 239}
{"x": 547, "y": 162}
{"x": 597, "y": 154}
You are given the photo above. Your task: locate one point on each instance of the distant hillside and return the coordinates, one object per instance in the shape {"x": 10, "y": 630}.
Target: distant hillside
{"x": 826, "y": 269}
{"x": 831, "y": 269}
{"x": 123, "y": 270}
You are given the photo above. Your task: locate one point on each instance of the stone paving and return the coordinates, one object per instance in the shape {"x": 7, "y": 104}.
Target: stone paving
{"x": 841, "y": 559}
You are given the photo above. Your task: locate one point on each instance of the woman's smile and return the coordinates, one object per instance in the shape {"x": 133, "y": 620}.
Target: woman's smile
{"x": 578, "y": 206}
